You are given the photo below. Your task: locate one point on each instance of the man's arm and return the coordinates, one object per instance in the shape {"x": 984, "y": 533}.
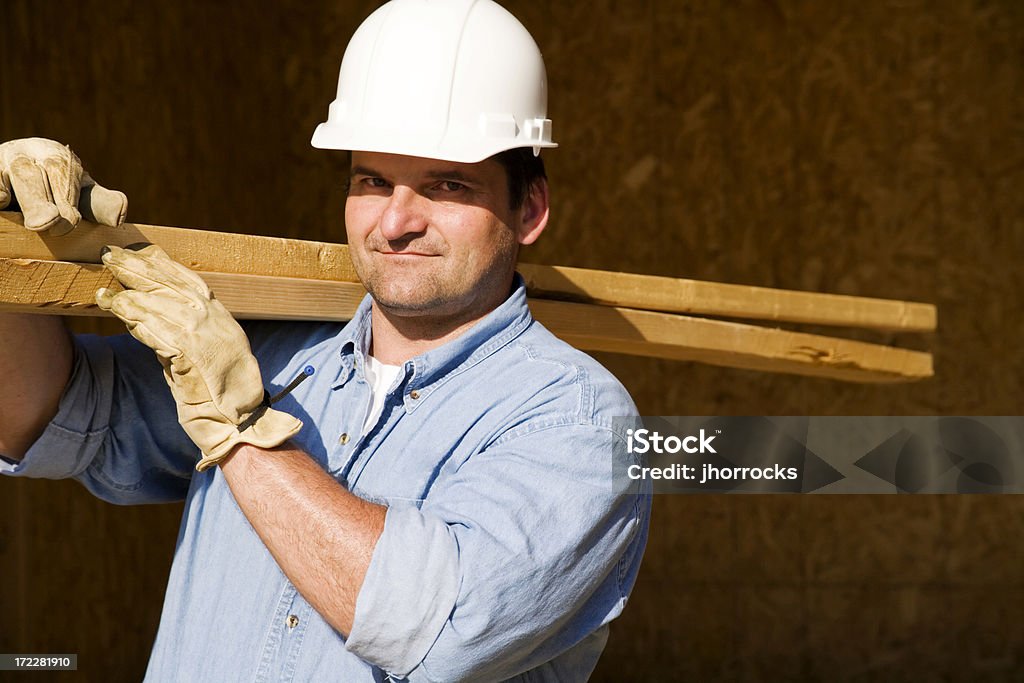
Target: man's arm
{"x": 35, "y": 364}
{"x": 321, "y": 535}
{"x": 52, "y": 190}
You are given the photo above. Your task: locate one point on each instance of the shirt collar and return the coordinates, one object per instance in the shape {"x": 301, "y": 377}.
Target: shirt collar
{"x": 495, "y": 330}
{"x": 354, "y": 343}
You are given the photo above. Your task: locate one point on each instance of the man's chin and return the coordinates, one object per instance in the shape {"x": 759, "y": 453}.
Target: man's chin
{"x": 409, "y": 305}
{"x": 404, "y": 308}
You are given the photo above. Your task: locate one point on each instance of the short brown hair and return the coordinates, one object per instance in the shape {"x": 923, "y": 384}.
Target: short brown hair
{"x": 523, "y": 169}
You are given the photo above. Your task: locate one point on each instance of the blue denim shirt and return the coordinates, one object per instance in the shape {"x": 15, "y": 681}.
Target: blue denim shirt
{"x": 505, "y": 550}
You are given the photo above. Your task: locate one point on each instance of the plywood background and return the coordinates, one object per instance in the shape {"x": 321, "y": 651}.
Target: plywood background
{"x": 860, "y": 148}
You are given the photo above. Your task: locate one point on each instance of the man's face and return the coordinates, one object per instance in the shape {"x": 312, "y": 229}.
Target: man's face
{"x": 436, "y": 238}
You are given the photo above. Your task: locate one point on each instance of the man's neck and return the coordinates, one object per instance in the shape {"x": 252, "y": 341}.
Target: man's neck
{"x": 397, "y": 338}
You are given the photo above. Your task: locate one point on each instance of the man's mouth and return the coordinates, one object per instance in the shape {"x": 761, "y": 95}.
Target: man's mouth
{"x": 407, "y": 254}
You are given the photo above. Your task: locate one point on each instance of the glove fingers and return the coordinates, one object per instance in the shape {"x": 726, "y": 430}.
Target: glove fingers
{"x": 146, "y": 317}
{"x": 29, "y": 184}
{"x": 151, "y": 269}
{"x": 64, "y": 173}
{"x": 101, "y": 205}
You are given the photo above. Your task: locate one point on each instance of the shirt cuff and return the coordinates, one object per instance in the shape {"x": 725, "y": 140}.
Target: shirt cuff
{"x": 68, "y": 444}
{"x": 408, "y": 594}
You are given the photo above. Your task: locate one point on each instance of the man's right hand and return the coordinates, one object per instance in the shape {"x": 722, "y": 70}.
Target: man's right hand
{"x": 52, "y": 189}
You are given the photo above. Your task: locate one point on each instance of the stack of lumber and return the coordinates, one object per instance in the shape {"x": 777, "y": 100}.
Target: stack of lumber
{"x": 285, "y": 279}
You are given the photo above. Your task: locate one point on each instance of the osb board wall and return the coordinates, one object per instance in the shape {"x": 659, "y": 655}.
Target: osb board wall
{"x": 861, "y": 148}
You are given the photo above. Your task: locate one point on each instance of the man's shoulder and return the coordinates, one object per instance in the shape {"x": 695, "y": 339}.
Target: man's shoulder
{"x": 271, "y": 335}
{"x": 546, "y": 370}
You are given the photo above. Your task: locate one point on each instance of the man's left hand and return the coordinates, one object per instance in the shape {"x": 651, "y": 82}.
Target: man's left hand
{"x": 207, "y": 361}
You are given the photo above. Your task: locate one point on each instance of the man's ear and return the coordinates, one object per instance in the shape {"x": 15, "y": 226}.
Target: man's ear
{"x": 534, "y": 212}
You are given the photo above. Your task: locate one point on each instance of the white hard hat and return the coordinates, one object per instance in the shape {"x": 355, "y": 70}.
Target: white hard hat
{"x": 458, "y": 80}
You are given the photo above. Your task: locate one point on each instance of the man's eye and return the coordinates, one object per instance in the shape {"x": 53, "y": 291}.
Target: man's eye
{"x": 375, "y": 182}
{"x": 451, "y": 186}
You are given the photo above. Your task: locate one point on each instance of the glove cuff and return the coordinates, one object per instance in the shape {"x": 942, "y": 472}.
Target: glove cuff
{"x": 271, "y": 428}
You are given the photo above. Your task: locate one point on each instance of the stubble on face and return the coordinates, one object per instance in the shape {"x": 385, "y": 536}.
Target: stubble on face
{"x": 441, "y": 284}
{"x": 456, "y": 258}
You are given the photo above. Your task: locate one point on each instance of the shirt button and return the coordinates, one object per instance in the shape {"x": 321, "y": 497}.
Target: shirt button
{"x": 414, "y": 394}
{"x": 292, "y": 621}
{"x": 343, "y": 439}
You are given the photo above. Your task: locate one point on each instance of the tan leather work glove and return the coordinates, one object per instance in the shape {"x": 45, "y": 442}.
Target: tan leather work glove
{"x": 205, "y": 354}
{"x": 52, "y": 189}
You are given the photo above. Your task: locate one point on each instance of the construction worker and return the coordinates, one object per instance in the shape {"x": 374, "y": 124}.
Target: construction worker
{"x": 431, "y": 499}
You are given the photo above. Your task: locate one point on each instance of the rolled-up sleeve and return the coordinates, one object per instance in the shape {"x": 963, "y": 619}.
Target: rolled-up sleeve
{"x": 513, "y": 559}
{"x": 401, "y": 608}
{"x": 115, "y": 430}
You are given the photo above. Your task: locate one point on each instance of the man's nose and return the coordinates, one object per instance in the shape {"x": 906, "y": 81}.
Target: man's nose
{"x": 405, "y": 214}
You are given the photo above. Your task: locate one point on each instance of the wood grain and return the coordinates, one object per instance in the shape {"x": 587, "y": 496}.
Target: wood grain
{"x": 59, "y": 287}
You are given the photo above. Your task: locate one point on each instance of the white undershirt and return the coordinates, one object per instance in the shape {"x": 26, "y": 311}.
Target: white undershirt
{"x": 380, "y": 377}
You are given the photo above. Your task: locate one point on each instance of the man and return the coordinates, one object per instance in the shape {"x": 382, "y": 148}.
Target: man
{"x": 429, "y": 497}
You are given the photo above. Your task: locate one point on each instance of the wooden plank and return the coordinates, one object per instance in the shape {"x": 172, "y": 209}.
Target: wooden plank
{"x": 736, "y": 345}
{"x": 250, "y": 254}
{"x": 208, "y": 250}
{"x": 29, "y": 285}
{"x": 680, "y": 295}
{"x": 62, "y": 288}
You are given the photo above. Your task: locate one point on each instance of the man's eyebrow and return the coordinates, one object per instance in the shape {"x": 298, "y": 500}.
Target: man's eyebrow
{"x": 451, "y": 174}
{"x": 365, "y": 170}
{"x": 438, "y": 174}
